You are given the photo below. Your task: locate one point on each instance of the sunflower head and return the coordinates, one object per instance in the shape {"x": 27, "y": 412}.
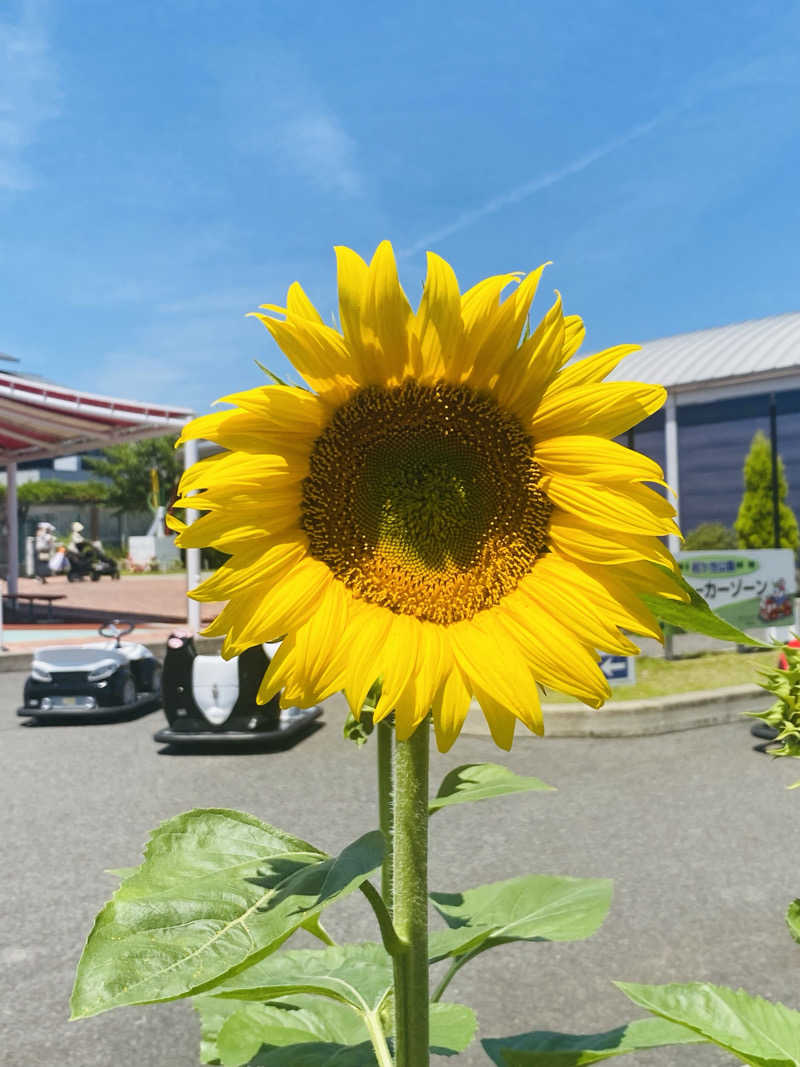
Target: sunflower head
{"x": 442, "y": 506}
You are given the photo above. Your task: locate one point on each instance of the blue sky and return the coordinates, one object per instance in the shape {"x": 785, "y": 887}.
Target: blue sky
{"x": 166, "y": 167}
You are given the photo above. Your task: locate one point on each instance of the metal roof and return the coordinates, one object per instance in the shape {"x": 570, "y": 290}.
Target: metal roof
{"x": 760, "y": 348}
{"x": 40, "y": 419}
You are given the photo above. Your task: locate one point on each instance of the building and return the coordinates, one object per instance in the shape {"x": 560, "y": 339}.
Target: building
{"x": 720, "y": 383}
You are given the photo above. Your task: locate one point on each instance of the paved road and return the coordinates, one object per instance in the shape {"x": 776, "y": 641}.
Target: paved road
{"x": 697, "y": 830}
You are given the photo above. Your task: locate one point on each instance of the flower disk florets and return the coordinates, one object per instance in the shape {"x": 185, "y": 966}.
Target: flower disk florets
{"x": 425, "y": 500}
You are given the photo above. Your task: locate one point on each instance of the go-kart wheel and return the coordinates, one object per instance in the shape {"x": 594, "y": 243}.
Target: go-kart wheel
{"x": 129, "y": 692}
{"x": 95, "y": 576}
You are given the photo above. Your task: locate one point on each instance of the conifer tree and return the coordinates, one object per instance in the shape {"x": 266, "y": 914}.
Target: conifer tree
{"x": 753, "y": 524}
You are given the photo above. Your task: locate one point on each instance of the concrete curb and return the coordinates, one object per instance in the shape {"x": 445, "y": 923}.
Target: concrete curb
{"x": 640, "y": 718}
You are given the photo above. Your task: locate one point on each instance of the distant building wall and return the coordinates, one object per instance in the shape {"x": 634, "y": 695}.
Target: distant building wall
{"x": 713, "y": 442}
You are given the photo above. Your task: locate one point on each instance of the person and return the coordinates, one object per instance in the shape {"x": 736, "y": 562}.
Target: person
{"x": 77, "y": 540}
{"x": 44, "y": 546}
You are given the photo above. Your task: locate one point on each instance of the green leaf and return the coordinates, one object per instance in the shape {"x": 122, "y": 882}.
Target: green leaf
{"x": 279, "y": 1024}
{"x": 359, "y": 729}
{"x": 213, "y": 1012}
{"x": 535, "y": 907}
{"x": 359, "y": 975}
{"x": 479, "y": 781}
{"x": 547, "y": 1048}
{"x": 793, "y": 919}
{"x": 755, "y": 1030}
{"x": 217, "y": 890}
{"x": 304, "y": 1019}
{"x": 695, "y": 617}
{"x": 453, "y": 1027}
{"x": 274, "y": 377}
{"x": 316, "y": 1055}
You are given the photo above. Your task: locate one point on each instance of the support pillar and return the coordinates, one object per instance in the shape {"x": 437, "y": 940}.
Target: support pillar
{"x": 671, "y": 447}
{"x": 192, "y": 554}
{"x": 13, "y": 527}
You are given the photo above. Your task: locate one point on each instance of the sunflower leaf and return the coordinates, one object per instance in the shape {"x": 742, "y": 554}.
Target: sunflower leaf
{"x": 453, "y": 1027}
{"x": 315, "y": 1054}
{"x": 755, "y": 1030}
{"x": 282, "y": 1023}
{"x": 217, "y": 890}
{"x": 358, "y": 974}
{"x": 479, "y": 781}
{"x": 235, "y": 1031}
{"x": 696, "y": 616}
{"x": 546, "y": 1048}
{"x": 535, "y": 907}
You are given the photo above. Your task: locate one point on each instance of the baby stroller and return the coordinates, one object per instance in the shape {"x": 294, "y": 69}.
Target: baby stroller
{"x": 89, "y": 560}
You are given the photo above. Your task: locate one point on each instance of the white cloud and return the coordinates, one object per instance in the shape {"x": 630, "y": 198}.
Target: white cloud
{"x": 319, "y": 149}
{"x": 29, "y": 94}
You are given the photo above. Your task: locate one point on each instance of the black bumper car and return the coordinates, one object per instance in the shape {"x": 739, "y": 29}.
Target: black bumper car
{"x": 98, "y": 680}
{"x": 212, "y": 701}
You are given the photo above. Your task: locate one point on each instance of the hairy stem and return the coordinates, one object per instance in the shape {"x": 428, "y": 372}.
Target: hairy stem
{"x": 411, "y": 983}
{"x": 385, "y": 732}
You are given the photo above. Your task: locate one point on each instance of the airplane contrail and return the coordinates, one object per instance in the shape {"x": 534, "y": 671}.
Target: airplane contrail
{"x": 522, "y": 192}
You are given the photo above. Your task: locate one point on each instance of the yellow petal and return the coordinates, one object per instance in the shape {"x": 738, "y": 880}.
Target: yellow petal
{"x": 388, "y": 313}
{"x": 501, "y": 721}
{"x": 297, "y": 303}
{"x": 497, "y": 349}
{"x": 556, "y": 659}
{"x": 555, "y": 585}
{"x": 591, "y": 369}
{"x": 480, "y": 309}
{"x": 574, "y": 333}
{"x": 281, "y": 608}
{"x": 321, "y": 654}
{"x": 253, "y": 564}
{"x": 489, "y": 660}
{"x": 606, "y": 409}
{"x": 596, "y": 459}
{"x": 364, "y": 638}
{"x": 437, "y": 323}
{"x": 433, "y": 663}
{"x": 287, "y": 409}
{"x": 526, "y": 376}
{"x": 630, "y": 508}
{"x": 450, "y": 707}
{"x": 582, "y": 540}
{"x": 317, "y": 351}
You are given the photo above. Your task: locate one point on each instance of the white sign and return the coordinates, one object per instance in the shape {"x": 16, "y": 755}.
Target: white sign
{"x": 619, "y": 670}
{"x": 749, "y": 588}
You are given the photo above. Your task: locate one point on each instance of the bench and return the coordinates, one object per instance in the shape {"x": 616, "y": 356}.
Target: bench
{"x": 47, "y": 598}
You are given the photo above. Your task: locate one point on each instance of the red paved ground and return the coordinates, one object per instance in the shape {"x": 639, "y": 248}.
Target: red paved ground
{"x": 156, "y": 603}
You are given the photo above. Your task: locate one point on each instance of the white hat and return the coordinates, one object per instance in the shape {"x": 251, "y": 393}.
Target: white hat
{"x": 77, "y": 526}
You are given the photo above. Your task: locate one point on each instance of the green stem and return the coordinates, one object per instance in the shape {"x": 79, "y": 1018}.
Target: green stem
{"x": 450, "y": 973}
{"x": 411, "y": 983}
{"x": 378, "y": 1039}
{"x": 385, "y": 732}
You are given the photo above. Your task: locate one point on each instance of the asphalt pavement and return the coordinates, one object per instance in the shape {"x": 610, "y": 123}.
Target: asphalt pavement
{"x": 696, "y": 829}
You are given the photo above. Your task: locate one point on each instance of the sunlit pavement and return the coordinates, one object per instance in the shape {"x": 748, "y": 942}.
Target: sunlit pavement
{"x": 696, "y": 829}
{"x": 155, "y": 602}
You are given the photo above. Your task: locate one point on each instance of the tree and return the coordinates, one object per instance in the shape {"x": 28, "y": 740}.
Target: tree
{"x": 128, "y": 467}
{"x": 51, "y": 491}
{"x": 710, "y": 535}
{"x": 754, "y": 522}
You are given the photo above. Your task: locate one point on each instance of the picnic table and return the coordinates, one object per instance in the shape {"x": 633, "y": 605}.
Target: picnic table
{"x": 47, "y": 598}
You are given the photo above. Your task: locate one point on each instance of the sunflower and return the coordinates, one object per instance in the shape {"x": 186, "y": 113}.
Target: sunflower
{"x": 443, "y": 509}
